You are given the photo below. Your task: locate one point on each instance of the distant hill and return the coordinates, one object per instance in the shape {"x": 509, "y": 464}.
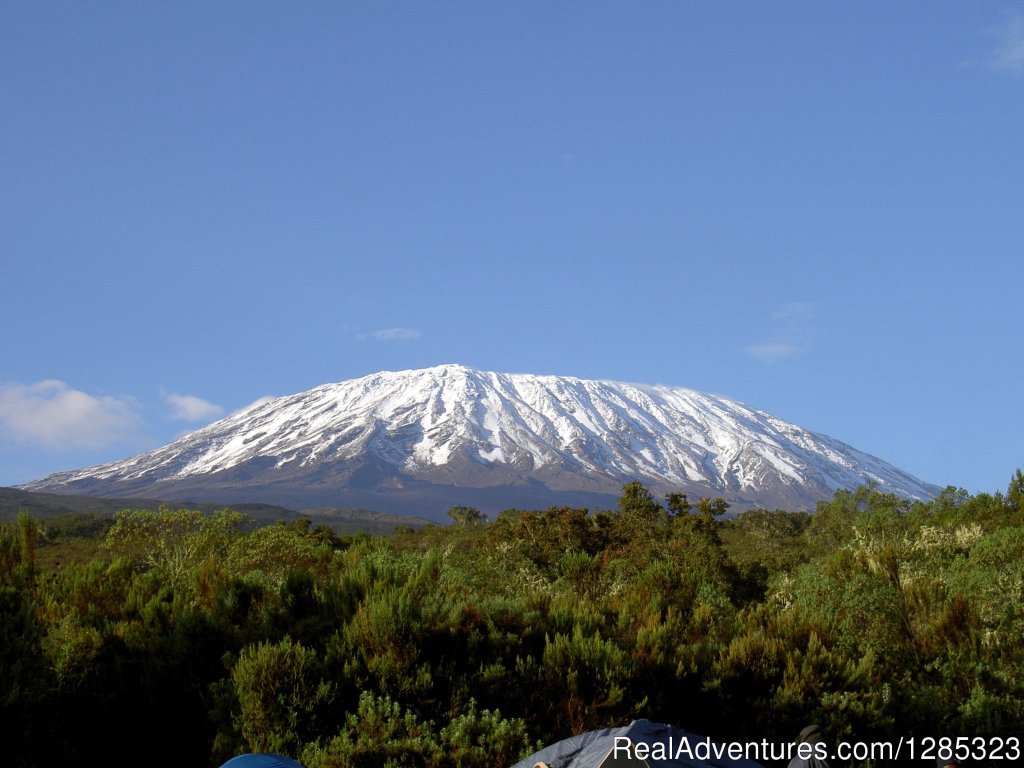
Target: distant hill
{"x": 342, "y": 521}
{"x": 417, "y": 442}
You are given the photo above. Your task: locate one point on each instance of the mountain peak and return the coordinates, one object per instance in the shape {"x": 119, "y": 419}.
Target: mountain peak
{"x": 394, "y": 439}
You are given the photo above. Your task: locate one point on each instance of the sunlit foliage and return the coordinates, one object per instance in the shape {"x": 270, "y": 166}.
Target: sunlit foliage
{"x": 470, "y": 644}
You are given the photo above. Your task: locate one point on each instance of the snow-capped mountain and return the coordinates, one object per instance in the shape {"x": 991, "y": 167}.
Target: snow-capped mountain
{"x": 419, "y": 441}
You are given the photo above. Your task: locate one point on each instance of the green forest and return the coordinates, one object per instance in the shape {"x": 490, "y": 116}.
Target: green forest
{"x": 190, "y": 637}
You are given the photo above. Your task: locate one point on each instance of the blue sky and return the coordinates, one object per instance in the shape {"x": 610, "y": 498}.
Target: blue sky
{"x": 816, "y": 209}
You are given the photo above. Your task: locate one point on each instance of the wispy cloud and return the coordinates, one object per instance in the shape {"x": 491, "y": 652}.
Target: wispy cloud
{"x": 397, "y": 333}
{"x": 770, "y": 353}
{"x": 794, "y": 310}
{"x": 393, "y": 334}
{"x": 53, "y": 415}
{"x": 190, "y": 407}
{"x": 1008, "y": 54}
{"x": 790, "y": 329}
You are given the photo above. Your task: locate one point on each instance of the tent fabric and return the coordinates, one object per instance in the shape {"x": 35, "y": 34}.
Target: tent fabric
{"x": 260, "y": 760}
{"x": 592, "y": 749}
{"x": 809, "y": 735}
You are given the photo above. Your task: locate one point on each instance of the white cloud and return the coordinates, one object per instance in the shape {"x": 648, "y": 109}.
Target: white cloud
{"x": 190, "y": 408}
{"x": 52, "y": 414}
{"x": 790, "y": 329}
{"x": 769, "y": 353}
{"x": 1008, "y": 55}
{"x": 382, "y": 334}
{"x": 395, "y": 334}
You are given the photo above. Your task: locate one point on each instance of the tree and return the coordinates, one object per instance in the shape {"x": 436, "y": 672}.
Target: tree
{"x": 701, "y": 518}
{"x": 28, "y": 534}
{"x": 280, "y": 693}
{"x": 641, "y": 521}
{"x": 1015, "y": 492}
{"x": 466, "y": 516}
{"x": 10, "y": 555}
{"x": 175, "y": 540}
{"x": 677, "y": 503}
{"x": 18, "y": 549}
{"x": 638, "y": 502}
{"x": 711, "y": 508}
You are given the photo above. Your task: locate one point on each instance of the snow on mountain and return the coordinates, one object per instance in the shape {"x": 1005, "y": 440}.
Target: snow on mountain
{"x": 443, "y": 431}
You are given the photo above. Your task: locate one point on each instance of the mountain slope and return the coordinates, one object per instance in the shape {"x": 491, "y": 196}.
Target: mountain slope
{"x": 452, "y": 434}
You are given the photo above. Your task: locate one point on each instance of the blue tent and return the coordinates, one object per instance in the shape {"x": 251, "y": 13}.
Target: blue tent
{"x": 641, "y": 744}
{"x": 260, "y": 760}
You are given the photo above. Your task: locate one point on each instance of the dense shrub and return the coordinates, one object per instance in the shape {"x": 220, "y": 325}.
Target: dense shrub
{"x": 469, "y": 645}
